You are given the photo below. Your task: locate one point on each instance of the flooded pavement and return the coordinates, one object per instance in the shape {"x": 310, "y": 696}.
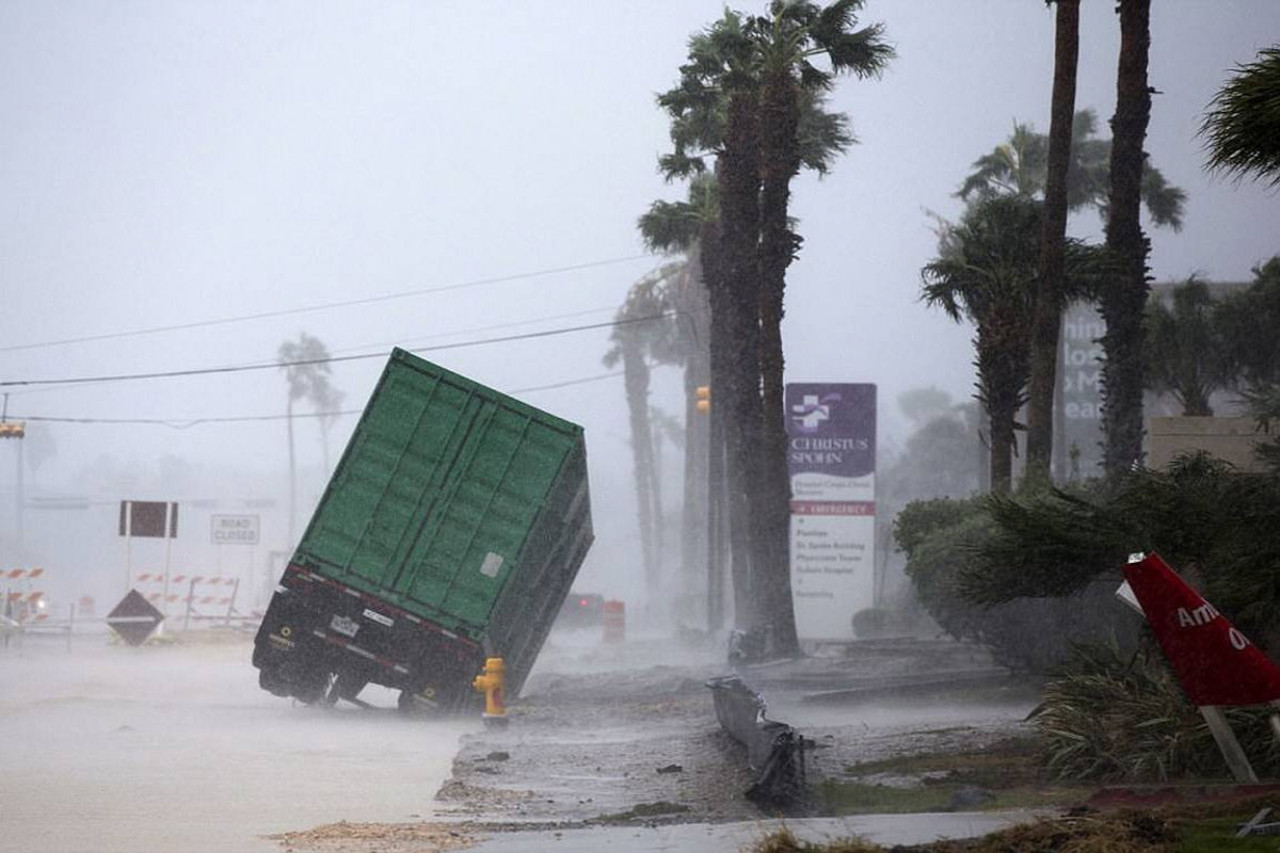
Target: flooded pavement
{"x": 176, "y": 749}
{"x": 624, "y": 744}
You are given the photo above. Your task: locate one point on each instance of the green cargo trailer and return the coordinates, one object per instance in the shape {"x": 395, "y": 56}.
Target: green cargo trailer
{"x": 451, "y": 530}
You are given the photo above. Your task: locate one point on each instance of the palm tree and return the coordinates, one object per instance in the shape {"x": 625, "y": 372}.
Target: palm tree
{"x": 634, "y": 342}
{"x": 788, "y": 41}
{"x": 1185, "y": 353}
{"x": 689, "y": 227}
{"x": 712, "y": 114}
{"x": 1047, "y": 314}
{"x": 1247, "y": 320}
{"x": 751, "y": 96}
{"x": 1124, "y": 299}
{"x": 305, "y": 363}
{"x": 1020, "y": 166}
{"x": 986, "y": 273}
{"x": 1242, "y": 128}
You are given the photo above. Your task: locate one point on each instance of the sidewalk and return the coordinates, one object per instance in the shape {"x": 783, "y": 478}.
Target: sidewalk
{"x": 731, "y": 837}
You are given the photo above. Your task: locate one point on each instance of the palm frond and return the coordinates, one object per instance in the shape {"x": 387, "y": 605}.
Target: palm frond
{"x": 1242, "y": 127}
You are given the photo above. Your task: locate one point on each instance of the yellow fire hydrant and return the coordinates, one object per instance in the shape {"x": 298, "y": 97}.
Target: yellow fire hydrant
{"x": 489, "y": 682}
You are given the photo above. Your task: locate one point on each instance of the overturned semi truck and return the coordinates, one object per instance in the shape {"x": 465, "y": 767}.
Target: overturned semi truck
{"x": 450, "y": 531}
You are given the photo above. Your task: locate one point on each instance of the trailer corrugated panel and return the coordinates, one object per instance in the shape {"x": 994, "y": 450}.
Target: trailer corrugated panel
{"x": 458, "y": 505}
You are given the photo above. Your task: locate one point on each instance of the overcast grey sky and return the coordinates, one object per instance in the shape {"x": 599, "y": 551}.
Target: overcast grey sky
{"x": 174, "y": 162}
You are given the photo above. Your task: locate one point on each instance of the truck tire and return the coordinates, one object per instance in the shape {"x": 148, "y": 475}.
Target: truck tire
{"x": 270, "y": 680}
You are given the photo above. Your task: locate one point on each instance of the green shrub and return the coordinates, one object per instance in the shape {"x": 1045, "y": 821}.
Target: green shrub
{"x": 942, "y": 538}
{"x": 1110, "y": 715}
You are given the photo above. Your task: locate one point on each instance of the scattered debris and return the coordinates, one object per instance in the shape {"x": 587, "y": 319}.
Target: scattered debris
{"x": 1255, "y": 826}
{"x": 671, "y": 768}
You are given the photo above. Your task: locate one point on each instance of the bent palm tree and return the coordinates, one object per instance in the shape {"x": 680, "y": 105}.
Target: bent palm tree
{"x": 634, "y": 342}
{"x": 690, "y": 227}
{"x": 305, "y": 363}
{"x": 1020, "y": 166}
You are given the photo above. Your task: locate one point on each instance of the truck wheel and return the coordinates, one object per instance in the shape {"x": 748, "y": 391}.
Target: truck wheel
{"x": 270, "y": 680}
{"x": 309, "y": 687}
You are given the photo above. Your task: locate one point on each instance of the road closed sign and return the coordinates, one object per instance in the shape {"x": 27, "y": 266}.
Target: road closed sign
{"x": 235, "y": 529}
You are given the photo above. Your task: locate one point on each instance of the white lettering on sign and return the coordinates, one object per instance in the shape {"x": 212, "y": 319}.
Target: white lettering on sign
{"x": 234, "y": 529}
{"x": 1238, "y": 640}
{"x": 1202, "y": 615}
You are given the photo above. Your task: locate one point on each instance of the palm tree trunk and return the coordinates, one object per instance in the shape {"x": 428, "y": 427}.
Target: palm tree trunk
{"x": 1003, "y": 441}
{"x": 636, "y": 380}
{"x": 718, "y": 361}
{"x": 1125, "y": 297}
{"x": 695, "y": 510}
{"x": 1048, "y": 306}
{"x": 740, "y": 228}
{"x": 779, "y": 162}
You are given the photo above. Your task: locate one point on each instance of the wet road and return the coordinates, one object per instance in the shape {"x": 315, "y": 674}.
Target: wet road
{"x": 109, "y": 748}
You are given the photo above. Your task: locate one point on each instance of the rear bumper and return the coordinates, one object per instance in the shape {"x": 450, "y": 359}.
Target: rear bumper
{"x": 316, "y": 627}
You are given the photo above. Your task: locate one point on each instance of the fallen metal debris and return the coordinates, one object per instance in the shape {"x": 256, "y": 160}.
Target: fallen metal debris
{"x": 775, "y": 751}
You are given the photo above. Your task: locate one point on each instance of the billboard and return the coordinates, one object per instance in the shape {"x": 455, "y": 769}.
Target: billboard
{"x": 1078, "y": 431}
{"x": 831, "y": 454}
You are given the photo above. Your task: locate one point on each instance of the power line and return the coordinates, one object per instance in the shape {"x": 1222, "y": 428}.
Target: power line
{"x": 284, "y": 312}
{"x": 176, "y": 424}
{"x": 408, "y": 343}
{"x": 125, "y": 377}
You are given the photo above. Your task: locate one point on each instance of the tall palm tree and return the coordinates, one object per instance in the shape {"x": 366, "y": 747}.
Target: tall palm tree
{"x": 305, "y": 363}
{"x": 789, "y": 40}
{"x": 1124, "y": 299}
{"x": 712, "y": 114}
{"x": 1242, "y": 129}
{"x": 751, "y": 96}
{"x": 1021, "y": 165}
{"x": 634, "y": 342}
{"x": 690, "y": 227}
{"x": 1047, "y": 314}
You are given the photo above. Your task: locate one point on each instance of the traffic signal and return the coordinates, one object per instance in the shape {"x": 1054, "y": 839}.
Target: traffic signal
{"x": 13, "y": 429}
{"x": 703, "y": 393}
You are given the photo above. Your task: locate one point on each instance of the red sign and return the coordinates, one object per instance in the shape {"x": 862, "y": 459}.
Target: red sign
{"x": 1216, "y": 664}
